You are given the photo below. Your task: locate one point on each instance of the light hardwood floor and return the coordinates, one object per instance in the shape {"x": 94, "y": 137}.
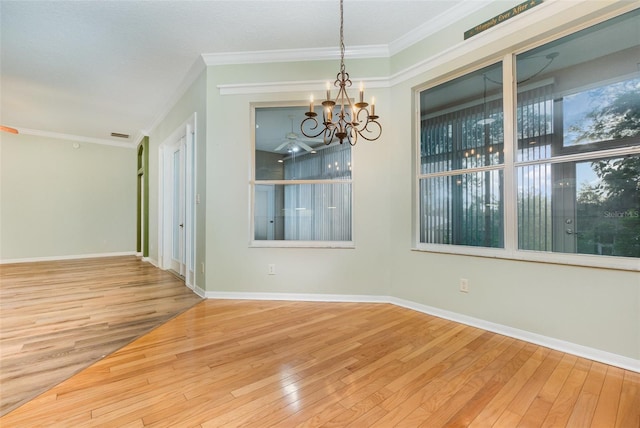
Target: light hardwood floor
{"x": 59, "y": 317}
{"x": 232, "y": 363}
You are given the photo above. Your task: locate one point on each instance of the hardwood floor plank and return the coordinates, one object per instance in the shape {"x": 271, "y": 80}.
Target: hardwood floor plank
{"x": 629, "y": 407}
{"x": 585, "y": 405}
{"x": 563, "y": 405}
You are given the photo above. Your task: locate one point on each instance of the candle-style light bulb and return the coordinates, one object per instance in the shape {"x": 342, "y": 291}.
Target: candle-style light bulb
{"x": 311, "y": 103}
{"x": 361, "y": 92}
{"x": 373, "y": 106}
{"x": 328, "y": 91}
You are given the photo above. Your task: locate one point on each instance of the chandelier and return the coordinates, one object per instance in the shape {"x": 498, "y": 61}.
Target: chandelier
{"x": 351, "y": 120}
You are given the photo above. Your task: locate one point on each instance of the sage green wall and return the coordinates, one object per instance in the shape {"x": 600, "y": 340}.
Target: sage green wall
{"x": 60, "y": 201}
{"x": 192, "y": 101}
{"x": 235, "y": 267}
{"x": 598, "y": 308}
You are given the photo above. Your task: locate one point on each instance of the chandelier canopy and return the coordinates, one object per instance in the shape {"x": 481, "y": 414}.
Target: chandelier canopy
{"x": 342, "y": 119}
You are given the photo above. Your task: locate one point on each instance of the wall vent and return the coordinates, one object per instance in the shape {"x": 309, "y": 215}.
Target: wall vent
{"x": 119, "y": 135}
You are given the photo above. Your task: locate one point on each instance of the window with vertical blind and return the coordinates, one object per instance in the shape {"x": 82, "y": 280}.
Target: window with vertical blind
{"x": 462, "y": 162}
{"x": 564, "y": 184}
{"x": 302, "y": 188}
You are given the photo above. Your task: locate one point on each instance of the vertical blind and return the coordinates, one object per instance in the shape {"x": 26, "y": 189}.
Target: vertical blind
{"x": 318, "y": 211}
{"x": 466, "y": 208}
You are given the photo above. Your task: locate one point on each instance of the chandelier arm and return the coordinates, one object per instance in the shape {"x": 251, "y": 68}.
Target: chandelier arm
{"x": 377, "y": 132}
{"x": 315, "y": 125}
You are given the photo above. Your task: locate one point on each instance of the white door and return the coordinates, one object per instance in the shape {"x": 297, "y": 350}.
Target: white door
{"x": 264, "y": 221}
{"x": 178, "y": 217}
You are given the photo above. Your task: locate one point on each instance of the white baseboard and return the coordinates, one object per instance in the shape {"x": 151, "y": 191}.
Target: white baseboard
{"x": 296, "y": 297}
{"x": 71, "y": 257}
{"x": 150, "y": 260}
{"x": 200, "y": 292}
{"x": 538, "y": 339}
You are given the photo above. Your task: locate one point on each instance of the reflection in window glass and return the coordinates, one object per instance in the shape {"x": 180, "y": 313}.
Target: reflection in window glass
{"x": 302, "y": 190}
{"x": 604, "y": 113}
{"x": 608, "y": 207}
{"x": 462, "y": 123}
{"x": 462, "y": 209}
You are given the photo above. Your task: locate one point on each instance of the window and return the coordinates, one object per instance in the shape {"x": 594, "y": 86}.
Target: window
{"x": 302, "y": 188}
{"x": 573, "y": 163}
{"x": 462, "y": 161}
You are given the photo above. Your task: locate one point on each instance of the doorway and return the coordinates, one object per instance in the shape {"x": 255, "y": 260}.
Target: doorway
{"x": 176, "y": 202}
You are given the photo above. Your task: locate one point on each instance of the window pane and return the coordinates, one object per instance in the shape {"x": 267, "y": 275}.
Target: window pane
{"x": 534, "y": 207}
{"x": 588, "y": 207}
{"x": 462, "y": 122}
{"x": 303, "y": 212}
{"x": 605, "y": 113}
{"x": 582, "y": 92}
{"x": 462, "y": 209}
{"x": 283, "y": 153}
{"x": 608, "y": 207}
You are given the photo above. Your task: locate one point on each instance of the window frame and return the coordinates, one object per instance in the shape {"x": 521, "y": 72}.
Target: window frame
{"x": 253, "y": 183}
{"x": 509, "y": 168}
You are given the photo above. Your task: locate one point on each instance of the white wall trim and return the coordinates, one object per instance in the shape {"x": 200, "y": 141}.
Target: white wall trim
{"x": 435, "y": 24}
{"x": 538, "y": 339}
{"x": 293, "y": 55}
{"x": 293, "y": 86}
{"x": 301, "y": 297}
{"x": 199, "y": 291}
{"x": 70, "y": 257}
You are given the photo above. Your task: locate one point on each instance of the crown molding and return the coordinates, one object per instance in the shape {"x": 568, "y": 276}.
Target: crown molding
{"x": 293, "y": 55}
{"x": 293, "y": 86}
{"x": 78, "y": 138}
{"x": 436, "y": 24}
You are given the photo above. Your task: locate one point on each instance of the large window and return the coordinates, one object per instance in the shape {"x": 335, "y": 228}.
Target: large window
{"x": 302, "y": 188}
{"x": 567, "y": 180}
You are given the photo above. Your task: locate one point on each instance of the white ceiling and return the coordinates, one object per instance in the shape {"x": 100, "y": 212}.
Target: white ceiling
{"x": 89, "y": 68}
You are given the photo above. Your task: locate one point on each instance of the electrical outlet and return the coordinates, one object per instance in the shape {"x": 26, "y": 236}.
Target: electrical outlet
{"x": 464, "y": 285}
{"x": 202, "y": 267}
{"x": 271, "y": 269}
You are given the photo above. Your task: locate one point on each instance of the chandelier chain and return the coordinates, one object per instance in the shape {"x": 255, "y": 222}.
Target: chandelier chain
{"x": 342, "y": 68}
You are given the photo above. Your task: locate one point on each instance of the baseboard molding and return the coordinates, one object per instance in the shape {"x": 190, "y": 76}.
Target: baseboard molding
{"x": 150, "y": 260}
{"x": 538, "y": 339}
{"x": 301, "y": 297}
{"x": 71, "y": 257}
{"x": 200, "y": 292}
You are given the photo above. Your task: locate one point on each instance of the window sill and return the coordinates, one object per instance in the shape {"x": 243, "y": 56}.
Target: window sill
{"x": 303, "y": 244}
{"x": 585, "y": 260}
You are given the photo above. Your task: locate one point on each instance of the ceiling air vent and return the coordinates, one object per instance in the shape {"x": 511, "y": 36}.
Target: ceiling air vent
{"x": 119, "y": 135}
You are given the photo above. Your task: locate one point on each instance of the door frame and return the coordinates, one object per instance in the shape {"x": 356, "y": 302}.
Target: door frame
{"x": 165, "y": 198}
